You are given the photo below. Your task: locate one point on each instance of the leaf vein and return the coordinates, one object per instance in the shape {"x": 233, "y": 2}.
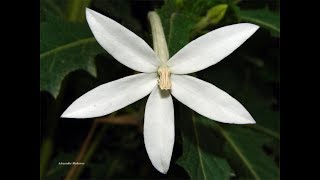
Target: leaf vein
{"x": 67, "y": 46}
{"x": 261, "y": 22}
{"x": 198, "y": 147}
{"x": 238, "y": 151}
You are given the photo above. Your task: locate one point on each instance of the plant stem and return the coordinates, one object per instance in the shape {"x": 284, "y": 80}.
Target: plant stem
{"x": 74, "y": 169}
{"x": 47, "y": 144}
{"x": 120, "y": 120}
{"x": 91, "y": 150}
{"x": 159, "y": 40}
{"x": 76, "y": 10}
{"x": 82, "y": 151}
{"x": 86, "y": 152}
{"x": 46, "y": 151}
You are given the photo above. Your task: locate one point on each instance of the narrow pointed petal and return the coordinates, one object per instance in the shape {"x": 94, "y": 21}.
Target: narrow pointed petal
{"x": 159, "y": 129}
{"x": 112, "y": 96}
{"x": 208, "y": 100}
{"x": 210, "y": 48}
{"x": 125, "y": 46}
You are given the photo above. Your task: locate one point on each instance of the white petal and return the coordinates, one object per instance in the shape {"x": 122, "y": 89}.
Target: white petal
{"x": 121, "y": 43}
{"x": 159, "y": 129}
{"x": 112, "y": 96}
{"x": 210, "y": 48}
{"x": 208, "y": 100}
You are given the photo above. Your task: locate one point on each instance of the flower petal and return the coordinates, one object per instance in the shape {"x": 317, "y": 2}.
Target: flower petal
{"x": 159, "y": 129}
{"x": 112, "y": 96}
{"x": 122, "y": 44}
{"x": 210, "y": 48}
{"x": 208, "y": 100}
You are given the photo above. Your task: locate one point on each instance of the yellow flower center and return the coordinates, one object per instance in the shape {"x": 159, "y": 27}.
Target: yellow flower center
{"x": 164, "y": 80}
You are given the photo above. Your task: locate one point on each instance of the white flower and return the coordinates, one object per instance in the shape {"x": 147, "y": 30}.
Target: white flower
{"x": 163, "y": 79}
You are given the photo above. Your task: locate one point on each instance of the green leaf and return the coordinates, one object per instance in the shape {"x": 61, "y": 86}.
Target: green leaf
{"x": 71, "y": 10}
{"x": 262, "y": 17}
{"x": 120, "y": 11}
{"x": 165, "y": 14}
{"x": 177, "y": 27}
{"x": 56, "y": 7}
{"x": 199, "y": 7}
{"x": 64, "y": 48}
{"x": 260, "y": 107}
{"x": 244, "y": 149}
{"x": 208, "y": 144}
{"x": 199, "y": 146}
{"x": 268, "y": 121}
{"x": 180, "y": 28}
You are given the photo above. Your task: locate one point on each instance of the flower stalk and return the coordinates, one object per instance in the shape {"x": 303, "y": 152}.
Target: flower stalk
{"x": 159, "y": 40}
{"x": 161, "y": 49}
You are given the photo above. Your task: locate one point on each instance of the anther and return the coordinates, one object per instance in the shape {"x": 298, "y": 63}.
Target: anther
{"x": 164, "y": 80}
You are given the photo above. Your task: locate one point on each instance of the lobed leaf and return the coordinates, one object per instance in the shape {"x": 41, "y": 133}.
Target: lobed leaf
{"x": 64, "y": 48}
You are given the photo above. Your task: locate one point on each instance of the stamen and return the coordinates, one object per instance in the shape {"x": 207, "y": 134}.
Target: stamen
{"x": 164, "y": 80}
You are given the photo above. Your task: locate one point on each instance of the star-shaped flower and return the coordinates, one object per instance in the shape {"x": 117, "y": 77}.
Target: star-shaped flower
{"x": 163, "y": 78}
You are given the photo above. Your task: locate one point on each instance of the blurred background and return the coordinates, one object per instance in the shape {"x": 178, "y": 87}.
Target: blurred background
{"x": 112, "y": 147}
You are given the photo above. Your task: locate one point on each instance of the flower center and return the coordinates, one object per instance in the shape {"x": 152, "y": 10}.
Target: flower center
{"x": 164, "y": 80}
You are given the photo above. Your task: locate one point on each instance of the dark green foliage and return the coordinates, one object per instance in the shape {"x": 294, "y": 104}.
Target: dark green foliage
{"x": 262, "y": 17}
{"x": 64, "y": 48}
